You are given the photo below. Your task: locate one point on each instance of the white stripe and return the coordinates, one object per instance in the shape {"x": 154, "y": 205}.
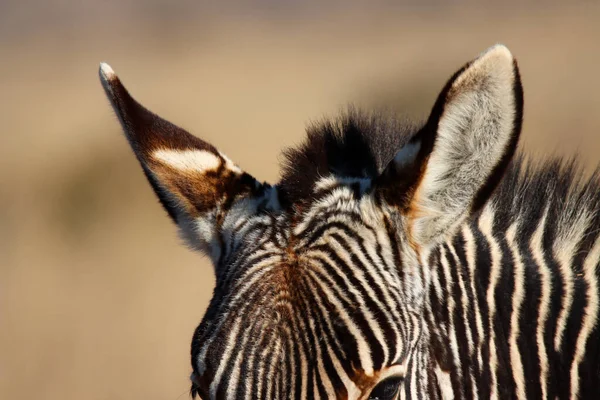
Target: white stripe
{"x": 444, "y": 383}
{"x": 415, "y": 383}
{"x": 270, "y": 375}
{"x": 188, "y": 160}
{"x": 300, "y": 330}
{"x": 464, "y": 299}
{"x": 235, "y": 371}
{"x": 537, "y": 251}
{"x": 351, "y": 388}
{"x": 465, "y": 311}
{"x": 337, "y": 292}
{"x": 364, "y": 351}
{"x": 304, "y": 378}
{"x": 590, "y": 314}
{"x": 440, "y": 327}
{"x": 265, "y": 266}
{"x": 564, "y": 250}
{"x": 433, "y": 279}
{"x": 261, "y": 366}
{"x": 486, "y": 222}
{"x": 248, "y": 383}
{"x": 471, "y": 263}
{"x": 227, "y": 353}
{"x": 451, "y": 307}
{"x": 368, "y": 314}
{"x": 325, "y": 312}
{"x": 375, "y": 274}
{"x": 415, "y": 351}
{"x": 376, "y": 270}
{"x": 325, "y": 381}
{"x": 331, "y": 289}
{"x": 517, "y": 302}
{"x": 251, "y": 277}
{"x": 333, "y": 181}
{"x": 341, "y": 198}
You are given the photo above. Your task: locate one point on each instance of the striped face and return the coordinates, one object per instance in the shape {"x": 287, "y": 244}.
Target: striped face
{"x": 312, "y": 308}
{"x": 321, "y": 278}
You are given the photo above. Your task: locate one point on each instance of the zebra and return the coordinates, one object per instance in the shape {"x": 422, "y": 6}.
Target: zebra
{"x": 392, "y": 260}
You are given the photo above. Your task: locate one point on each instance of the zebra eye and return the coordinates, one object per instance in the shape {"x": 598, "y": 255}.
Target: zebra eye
{"x": 386, "y": 390}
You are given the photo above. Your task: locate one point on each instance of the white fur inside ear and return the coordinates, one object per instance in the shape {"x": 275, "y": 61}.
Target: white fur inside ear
{"x": 189, "y": 160}
{"x": 473, "y": 134}
{"x": 497, "y": 60}
{"x": 230, "y": 164}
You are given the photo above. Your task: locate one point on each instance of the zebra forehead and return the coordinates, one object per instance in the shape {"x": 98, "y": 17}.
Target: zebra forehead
{"x": 354, "y": 145}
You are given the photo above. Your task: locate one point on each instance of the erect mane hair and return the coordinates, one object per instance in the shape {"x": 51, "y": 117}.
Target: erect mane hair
{"x": 360, "y": 145}
{"x": 554, "y": 185}
{"x": 356, "y": 144}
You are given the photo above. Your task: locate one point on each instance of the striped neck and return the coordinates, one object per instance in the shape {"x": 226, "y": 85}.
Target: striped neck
{"x": 504, "y": 316}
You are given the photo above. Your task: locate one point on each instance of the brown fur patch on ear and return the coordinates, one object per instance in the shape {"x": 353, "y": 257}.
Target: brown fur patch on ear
{"x": 146, "y": 131}
{"x": 412, "y": 213}
{"x": 199, "y": 191}
{"x": 399, "y": 188}
{"x": 195, "y": 183}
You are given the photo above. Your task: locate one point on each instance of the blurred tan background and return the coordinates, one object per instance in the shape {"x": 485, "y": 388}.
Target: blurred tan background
{"x": 98, "y": 297}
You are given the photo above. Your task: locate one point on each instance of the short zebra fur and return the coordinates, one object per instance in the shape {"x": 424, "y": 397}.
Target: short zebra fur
{"x": 392, "y": 260}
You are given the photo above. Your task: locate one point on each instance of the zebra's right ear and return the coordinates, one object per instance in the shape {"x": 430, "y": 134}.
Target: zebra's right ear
{"x": 451, "y": 167}
{"x": 196, "y": 184}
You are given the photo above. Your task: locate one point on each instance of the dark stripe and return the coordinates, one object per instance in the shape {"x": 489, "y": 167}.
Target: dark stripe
{"x": 527, "y": 340}
{"x": 483, "y": 262}
{"x": 458, "y": 383}
{"x": 503, "y": 295}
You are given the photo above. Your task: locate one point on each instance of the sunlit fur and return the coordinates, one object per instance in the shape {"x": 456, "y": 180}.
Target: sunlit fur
{"x": 387, "y": 249}
{"x": 508, "y": 289}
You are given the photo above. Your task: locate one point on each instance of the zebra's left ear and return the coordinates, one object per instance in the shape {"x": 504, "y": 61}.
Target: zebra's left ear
{"x": 202, "y": 190}
{"x": 451, "y": 167}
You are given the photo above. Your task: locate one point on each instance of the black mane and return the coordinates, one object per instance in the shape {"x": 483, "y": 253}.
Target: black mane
{"x": 356, "y": 144}
{"x": 359, "y": 144}
{"x": 554, "y": 185}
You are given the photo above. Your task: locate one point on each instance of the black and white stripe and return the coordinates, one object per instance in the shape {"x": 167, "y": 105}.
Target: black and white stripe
{"x": 391, "y": 261}
{"x": 494, "y": 294}
{"x": 520, "y": 283}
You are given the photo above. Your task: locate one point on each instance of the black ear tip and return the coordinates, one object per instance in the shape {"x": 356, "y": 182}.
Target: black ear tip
{"x": 119, "y": 97}
{"x": 112, "y": 84}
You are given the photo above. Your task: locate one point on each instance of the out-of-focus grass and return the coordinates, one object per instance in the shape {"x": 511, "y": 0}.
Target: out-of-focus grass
{"x": 98, "y": 297}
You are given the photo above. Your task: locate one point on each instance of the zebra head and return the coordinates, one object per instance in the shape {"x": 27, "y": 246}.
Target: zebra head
{"x": 320, "y": 278}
